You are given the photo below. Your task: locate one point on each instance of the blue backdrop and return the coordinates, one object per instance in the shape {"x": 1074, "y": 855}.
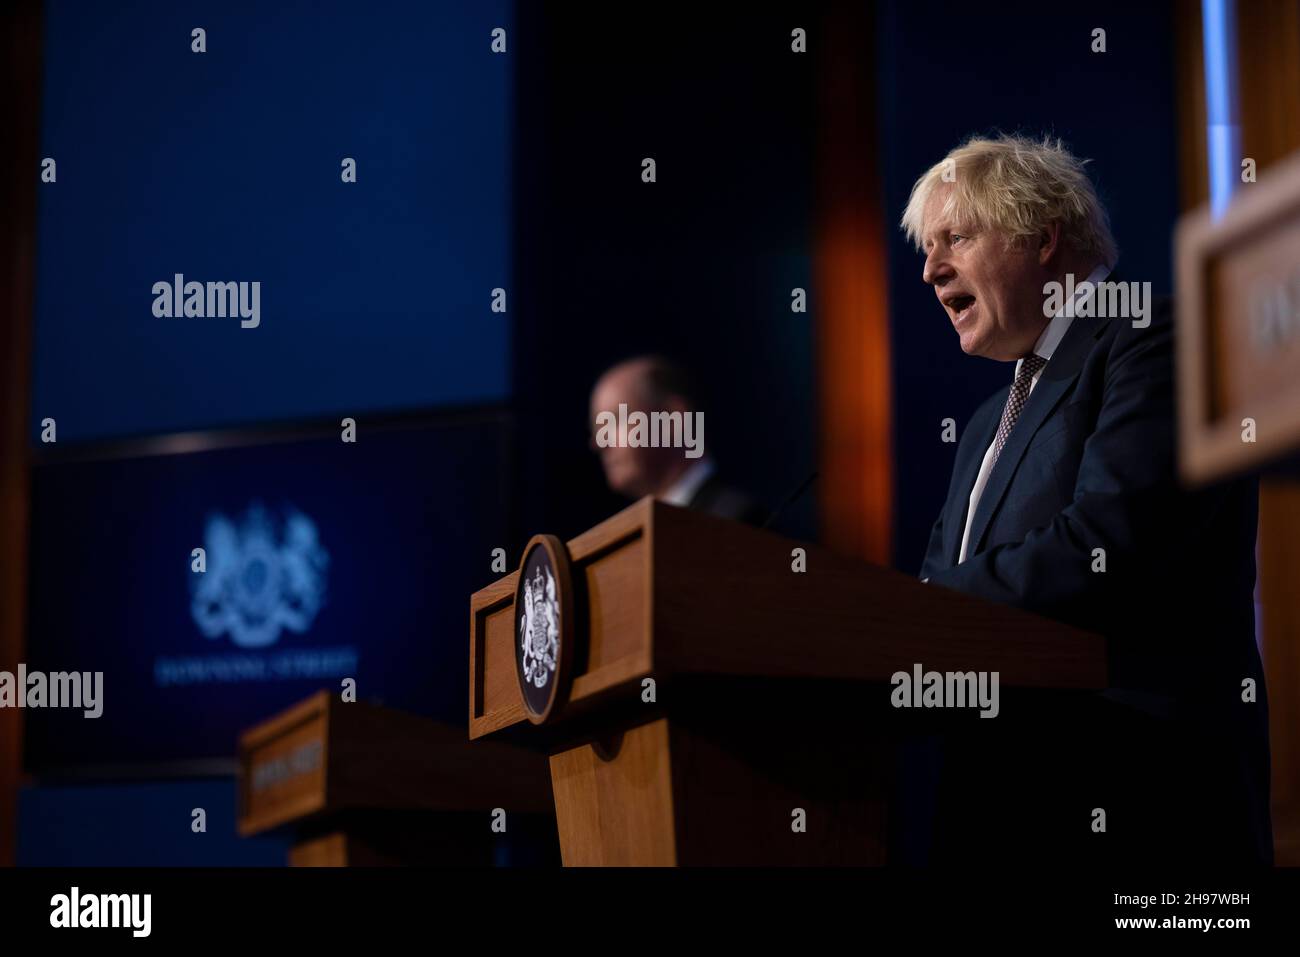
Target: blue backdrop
{"x": 392, "y": 536}
{"x": 225, "y": 166}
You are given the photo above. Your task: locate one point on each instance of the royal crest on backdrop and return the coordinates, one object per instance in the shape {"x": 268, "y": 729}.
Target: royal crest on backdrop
{"x": 262, "y": 577}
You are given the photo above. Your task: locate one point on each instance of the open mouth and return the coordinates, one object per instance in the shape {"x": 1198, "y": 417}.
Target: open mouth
{"x": 960, "y": 306}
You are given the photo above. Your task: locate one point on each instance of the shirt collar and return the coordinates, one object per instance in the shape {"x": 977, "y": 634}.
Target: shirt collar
{"x": 1055, "y": 330}
{"x": 688, "y": 483}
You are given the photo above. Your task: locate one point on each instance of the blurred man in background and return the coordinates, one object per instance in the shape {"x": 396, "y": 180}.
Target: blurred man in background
{"x": 653, "y": 384}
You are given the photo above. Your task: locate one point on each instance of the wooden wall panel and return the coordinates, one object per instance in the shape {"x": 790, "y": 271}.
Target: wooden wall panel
{"x": 1279, "y": 560}
{"x": 851, "y": 302}
{"x": 20, "y": 26}
{"x": 1268, "y": 40}
{"x": 1189, "y": 90}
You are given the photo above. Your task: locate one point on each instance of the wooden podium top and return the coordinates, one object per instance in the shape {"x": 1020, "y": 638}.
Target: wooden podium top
{"x": 1239, "y": 329}
{"x": 661, "y": 591}
{"x": 323, "y": 756}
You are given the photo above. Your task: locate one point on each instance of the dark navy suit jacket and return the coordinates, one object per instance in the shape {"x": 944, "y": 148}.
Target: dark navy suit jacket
{"x": 715, "y": 497}
{"x": 1091, "y": 465}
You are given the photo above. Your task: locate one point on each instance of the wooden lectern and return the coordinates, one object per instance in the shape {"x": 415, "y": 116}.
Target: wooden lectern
{"x": 710, "y": 694}
{"x": 366, "y": 785}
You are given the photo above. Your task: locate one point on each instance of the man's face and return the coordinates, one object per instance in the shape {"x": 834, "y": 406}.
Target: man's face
{"x": 627, "y": 470}
{"x": 991, "y": 290}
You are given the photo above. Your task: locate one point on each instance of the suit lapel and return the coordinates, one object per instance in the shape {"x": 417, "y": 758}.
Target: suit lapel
{"x": 705, "y": 494}
{"x": 1058, "y": 376}
{"x": 954, "y": 522}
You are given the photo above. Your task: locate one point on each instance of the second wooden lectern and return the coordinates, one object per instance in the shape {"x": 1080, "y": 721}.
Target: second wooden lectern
{"x": 366, "y": 785}
{"x": 715, "y": 694}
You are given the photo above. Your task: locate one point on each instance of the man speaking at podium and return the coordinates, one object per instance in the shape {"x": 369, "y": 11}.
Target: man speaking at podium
{"x": 1064, "y": 501}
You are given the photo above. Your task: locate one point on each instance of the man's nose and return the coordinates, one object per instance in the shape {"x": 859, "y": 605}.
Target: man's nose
{"x": 937, "y": 269}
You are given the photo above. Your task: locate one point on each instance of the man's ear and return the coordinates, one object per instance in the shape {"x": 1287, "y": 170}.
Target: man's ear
{"x": 1049, "y": 241}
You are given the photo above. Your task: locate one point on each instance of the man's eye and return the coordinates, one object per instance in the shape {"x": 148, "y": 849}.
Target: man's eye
{"x": 957, "y": 237}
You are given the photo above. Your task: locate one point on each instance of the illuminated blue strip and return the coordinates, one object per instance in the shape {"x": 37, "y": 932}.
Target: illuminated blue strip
{"x": 1219, "y": 24}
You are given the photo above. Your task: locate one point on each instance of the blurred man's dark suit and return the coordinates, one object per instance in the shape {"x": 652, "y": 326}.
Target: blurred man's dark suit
{"x": 1172, "y": 754}
{"x": 717, "y": 498}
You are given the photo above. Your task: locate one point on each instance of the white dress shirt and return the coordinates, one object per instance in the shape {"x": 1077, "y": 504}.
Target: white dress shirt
{"x": 1044, "y": 347}
{"x": 688, "y": 483}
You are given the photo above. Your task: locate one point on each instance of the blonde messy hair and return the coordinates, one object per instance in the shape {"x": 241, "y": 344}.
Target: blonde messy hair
{"x": 1019, "y": 186}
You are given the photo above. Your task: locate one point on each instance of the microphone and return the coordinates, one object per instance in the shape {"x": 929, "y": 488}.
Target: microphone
{"x": 791, "y": 498}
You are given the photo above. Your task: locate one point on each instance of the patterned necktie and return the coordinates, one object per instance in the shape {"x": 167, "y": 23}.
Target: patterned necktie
{"x": 1019, "y": 394}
